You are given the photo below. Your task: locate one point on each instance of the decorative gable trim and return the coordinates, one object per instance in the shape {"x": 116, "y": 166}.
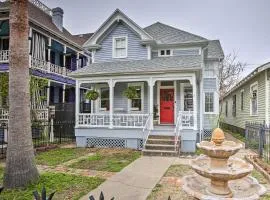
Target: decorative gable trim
{"x": 117, "y": 16}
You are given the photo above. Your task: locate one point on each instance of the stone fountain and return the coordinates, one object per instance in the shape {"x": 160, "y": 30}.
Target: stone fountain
{"x": 219, "y": 176}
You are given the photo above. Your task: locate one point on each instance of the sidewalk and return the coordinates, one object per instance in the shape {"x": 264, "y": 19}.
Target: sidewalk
{"x": 136, "y": 181}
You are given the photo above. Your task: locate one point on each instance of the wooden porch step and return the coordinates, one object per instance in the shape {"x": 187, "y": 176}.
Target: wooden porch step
{"x": 164, "y": 137}
{"x": 166, "y": 147}
{"x": 160, "y": 141}
{"x": 150, "y": 152}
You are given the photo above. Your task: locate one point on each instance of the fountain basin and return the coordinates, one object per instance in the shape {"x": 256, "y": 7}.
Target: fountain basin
{"x": 227, "y": 149}
{"x": 234, "y": 169}
{"x": 247, "y": 188}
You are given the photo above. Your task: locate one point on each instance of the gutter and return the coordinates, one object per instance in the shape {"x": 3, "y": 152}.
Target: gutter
{"x": 131, "y": 73}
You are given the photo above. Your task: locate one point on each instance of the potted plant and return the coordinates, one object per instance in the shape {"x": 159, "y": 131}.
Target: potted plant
{"x": 92, "y": 95}
{"x": 131, "y": 92}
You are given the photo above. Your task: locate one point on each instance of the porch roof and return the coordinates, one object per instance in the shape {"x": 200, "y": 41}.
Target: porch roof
{"x": 160, "y": 64}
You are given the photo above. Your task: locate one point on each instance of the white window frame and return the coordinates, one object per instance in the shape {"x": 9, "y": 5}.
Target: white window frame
{"x": 242, "y": 101}
{"x": 98, "y": 107}
{"x": 137, "y": 84}
{"x": 252, "y": 87}
{"x": 204, "y": 95}
{"x": 114, "y": 46}
{"x": 165, "y": 52}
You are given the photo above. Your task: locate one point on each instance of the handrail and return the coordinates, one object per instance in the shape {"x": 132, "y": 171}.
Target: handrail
{"x": 177, "y": 130}
{"x": 146, "y": 127}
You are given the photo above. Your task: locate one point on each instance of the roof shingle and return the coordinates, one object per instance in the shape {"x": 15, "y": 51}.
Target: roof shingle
{"x": 161, "y": 64}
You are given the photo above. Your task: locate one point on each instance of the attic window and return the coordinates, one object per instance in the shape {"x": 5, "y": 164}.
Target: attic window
{"x": 120, "y": 47}
{"x": 165, "y": 52}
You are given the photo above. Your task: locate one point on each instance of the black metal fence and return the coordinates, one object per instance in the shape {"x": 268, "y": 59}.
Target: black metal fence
{"x": 44, "y": 134}
{"x": 258, "y": 139}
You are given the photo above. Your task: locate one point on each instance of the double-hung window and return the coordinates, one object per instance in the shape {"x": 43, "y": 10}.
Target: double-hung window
{"x": 242, "y": 99}
{"x": 226, "y": 109}
{"x": 209, "y": 102}
{"x": 120, "y": 47}
{"x": 104, "y": 99}
{"x": 254, "y": 99}
{"x": 136, "y": 104}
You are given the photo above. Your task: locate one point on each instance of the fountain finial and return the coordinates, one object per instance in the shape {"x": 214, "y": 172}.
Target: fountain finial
{"x": 218, "y": 137}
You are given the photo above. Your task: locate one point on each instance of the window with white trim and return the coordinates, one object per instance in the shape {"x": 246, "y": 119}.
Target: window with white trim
{"x": 209, "y": 102}
{"x": 226, "y": 109}
{"x": 242, "y": 99}
{"x": 165, "y": 52}
{"x": 104, "y": 99}
{"x": 136, "y": 104}
{"x": 254, "y": 99}
{"x": 120, "y": 47}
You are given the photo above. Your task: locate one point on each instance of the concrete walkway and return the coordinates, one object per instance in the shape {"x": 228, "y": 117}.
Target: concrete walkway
{"x": 136, "y": 181}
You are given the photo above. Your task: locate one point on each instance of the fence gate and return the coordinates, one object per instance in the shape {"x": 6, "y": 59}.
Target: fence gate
{"x": 64, "y": 121}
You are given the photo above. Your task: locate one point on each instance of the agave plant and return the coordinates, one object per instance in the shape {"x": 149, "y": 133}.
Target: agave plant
{"x": 43, "y": 195}
{"x": 101, "y": 197}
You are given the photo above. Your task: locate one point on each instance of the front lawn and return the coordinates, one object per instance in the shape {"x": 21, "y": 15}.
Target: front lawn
{"x": 60, "y": 155}
{"x": 66, "y": 186}
{"x": 112, "y": 160}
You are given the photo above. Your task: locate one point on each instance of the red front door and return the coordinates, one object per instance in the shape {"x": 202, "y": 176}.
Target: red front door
{"x": 166, "y": 106}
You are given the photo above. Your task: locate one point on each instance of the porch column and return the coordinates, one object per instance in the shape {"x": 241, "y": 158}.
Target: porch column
{"x": 48, "y": 92}
{"x": 77, "y": 101}
{"x": 64, "y": 56}
{"x": 49, "y": 52}
{"x": 77, "y": 60}
{"x": 30, "y": 43}
{"x": 194, "y": 85}
{"x": 151, "y": 102}
{"x": 111, "y": 85}
{"x": 64, "y": 93}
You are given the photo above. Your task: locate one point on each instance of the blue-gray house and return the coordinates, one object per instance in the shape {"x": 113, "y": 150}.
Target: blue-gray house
{"x": 175, "y": 75}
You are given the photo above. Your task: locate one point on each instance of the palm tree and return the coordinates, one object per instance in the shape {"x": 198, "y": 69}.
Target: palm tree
{"x": 20, "y": 164}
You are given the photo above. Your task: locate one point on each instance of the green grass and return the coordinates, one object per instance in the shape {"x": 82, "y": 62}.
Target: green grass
{"x": 106, "y": 160}
{"x": 66, "y": 186}
{"x": 58, "y": 156}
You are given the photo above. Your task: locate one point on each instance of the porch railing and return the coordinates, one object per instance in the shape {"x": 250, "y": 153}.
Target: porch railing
{"x": 118, "y": 120}
{"x": 40, "y": 114}
{"x": 129, "y": 120}
{"x": 3, "y": 114}
{"x": 4, "y": 56}
{"x": 93, "y": 120}
{"x": 186, "y": 119}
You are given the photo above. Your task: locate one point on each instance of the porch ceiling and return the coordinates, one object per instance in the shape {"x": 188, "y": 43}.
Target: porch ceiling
{"x": 161, "y": 64}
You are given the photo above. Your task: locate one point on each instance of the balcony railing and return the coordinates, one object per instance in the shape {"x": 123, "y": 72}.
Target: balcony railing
{"x": 119, "y": 120}
{"x": 49, "y": 67}
{"x": 4, "y": 56}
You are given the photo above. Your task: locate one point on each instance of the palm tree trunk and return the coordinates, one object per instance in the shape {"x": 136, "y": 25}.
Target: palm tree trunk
{"x": 20, "y": 164}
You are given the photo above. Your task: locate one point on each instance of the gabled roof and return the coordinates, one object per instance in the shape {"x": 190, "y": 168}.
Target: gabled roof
{"x": 160, "y": 65}
{"x": 214, "y": 50}
{"x": 82, "y": 38}
{"x": 255, "y": 72}
{"x": 38, "y": 16}
{"x": 165, "y": 34}
{"x": 117, "y": 16}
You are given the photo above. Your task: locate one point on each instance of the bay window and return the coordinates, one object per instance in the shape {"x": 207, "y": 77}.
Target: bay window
{"x": 209, "y": 102}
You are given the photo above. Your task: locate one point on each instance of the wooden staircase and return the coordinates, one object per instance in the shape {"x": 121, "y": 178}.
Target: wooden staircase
{"x": 161, "y": 145}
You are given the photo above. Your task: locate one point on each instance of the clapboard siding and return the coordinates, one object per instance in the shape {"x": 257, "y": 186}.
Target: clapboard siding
{"x": 243, "y": 116}
{"x": 210, "y": 84}
{"x": 178, "y": 52}
{"x": 136, "y": 51}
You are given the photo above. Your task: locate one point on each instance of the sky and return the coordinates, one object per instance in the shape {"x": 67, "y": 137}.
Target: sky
{"x": 242, "y": 26}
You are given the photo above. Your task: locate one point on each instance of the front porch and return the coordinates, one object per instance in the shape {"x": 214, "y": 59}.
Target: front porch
{"x": 166, "y": 105}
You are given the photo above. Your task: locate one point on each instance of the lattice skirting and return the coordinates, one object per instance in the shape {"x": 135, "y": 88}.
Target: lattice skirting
{"x": 207, "y": 133}
{"x": 112, "y": 142}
